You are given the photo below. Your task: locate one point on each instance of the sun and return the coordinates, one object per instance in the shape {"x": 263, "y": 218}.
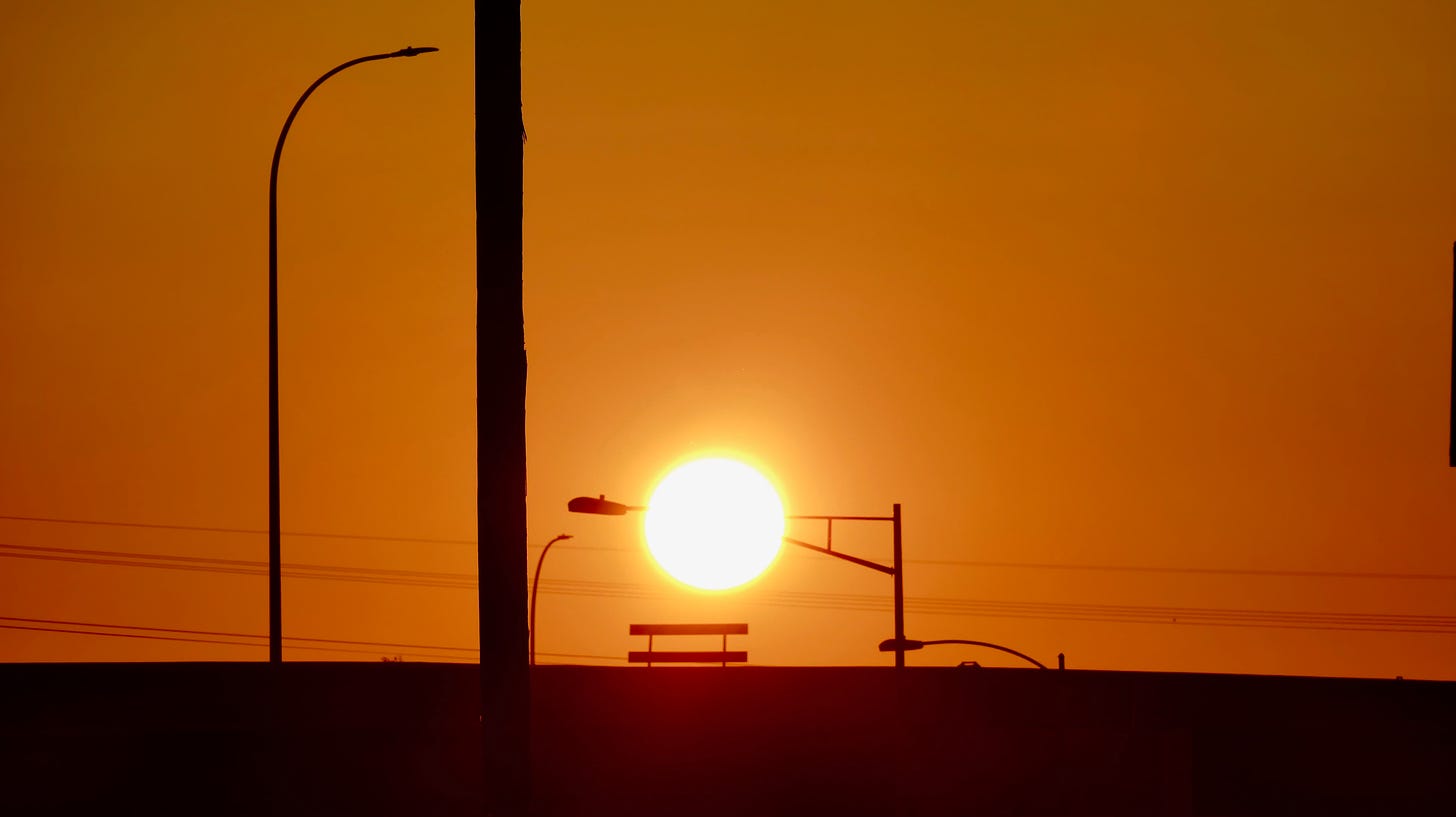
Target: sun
{"x": 714, "y": 523}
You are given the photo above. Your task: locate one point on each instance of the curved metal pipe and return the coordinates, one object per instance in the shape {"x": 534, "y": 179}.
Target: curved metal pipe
{"x": 540, "y": 560}
{"x": 902, "y": 644}
{"x": 1039, "y": 664}
{"x": 275, "y": 572}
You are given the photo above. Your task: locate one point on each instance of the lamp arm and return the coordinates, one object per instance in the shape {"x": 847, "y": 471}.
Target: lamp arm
{"x": 986, "y": 644}
{"x": 887, "y": 570}
{"x": 535, "y": 581}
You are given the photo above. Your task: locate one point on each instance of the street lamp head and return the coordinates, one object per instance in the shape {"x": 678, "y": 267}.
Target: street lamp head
{"x": 599, "y": 505}
{"x": 412, "y": 51}
{"x": 897, "y": 644}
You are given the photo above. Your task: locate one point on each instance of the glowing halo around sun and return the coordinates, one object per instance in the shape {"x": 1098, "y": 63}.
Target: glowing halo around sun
{"x": 714, "y": 523}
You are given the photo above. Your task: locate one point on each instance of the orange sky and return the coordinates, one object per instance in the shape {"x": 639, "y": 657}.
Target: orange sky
{"x": 1139, "y": 285}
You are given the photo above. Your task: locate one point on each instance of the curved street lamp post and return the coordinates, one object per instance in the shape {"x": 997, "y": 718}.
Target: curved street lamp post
{"x": 536, "y": 580}
{"x": 275, "y": 575}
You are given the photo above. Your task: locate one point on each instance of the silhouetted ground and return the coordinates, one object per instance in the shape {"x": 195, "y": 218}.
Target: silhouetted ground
{"x": 387, "y": 738}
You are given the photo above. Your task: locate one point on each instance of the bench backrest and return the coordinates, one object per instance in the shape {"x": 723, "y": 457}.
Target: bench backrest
{"x": 722, "y": 656}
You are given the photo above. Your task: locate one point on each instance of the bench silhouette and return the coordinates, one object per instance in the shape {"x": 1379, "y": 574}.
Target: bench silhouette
{"x": 722, "y": 656}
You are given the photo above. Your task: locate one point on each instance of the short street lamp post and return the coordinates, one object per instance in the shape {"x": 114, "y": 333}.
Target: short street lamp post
{"x": 535, "y": 581}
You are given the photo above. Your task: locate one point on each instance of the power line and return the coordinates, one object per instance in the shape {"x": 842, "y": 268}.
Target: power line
{"x": 1225, "y": 571}
{"x": 250, "y": 531}
{"x": 176, "y": 630}
{"x": 240, "y": 567}
{"x": 1316, "y": 574}
{"x": 1126, "y": 614}
{"x": 256, "y": 641}
{"x": 215, "y": 636}
{"x": 253, "y": 645}
{"x": 257, "y": 645}
{"x": 393, "y": 572}
{"x": 617, "y": 658}
{"x": 242, "y": 571}
{"x": 955, "y": 607}
{"x": 131, "y": 635}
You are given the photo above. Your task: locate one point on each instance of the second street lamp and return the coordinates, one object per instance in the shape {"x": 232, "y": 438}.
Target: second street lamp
{"x": 535, "y": 582}
{"x": 275, "y": 574}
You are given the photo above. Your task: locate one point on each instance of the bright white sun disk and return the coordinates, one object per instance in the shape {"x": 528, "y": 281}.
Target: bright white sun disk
{"x": 714, "y": 523}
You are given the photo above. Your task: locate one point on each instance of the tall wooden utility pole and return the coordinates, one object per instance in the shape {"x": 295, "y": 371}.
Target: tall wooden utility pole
{"x": 500, "y": 399}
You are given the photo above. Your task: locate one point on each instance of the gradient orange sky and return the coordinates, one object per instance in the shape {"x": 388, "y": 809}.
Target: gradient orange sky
{"x": 1132, "y": 285}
